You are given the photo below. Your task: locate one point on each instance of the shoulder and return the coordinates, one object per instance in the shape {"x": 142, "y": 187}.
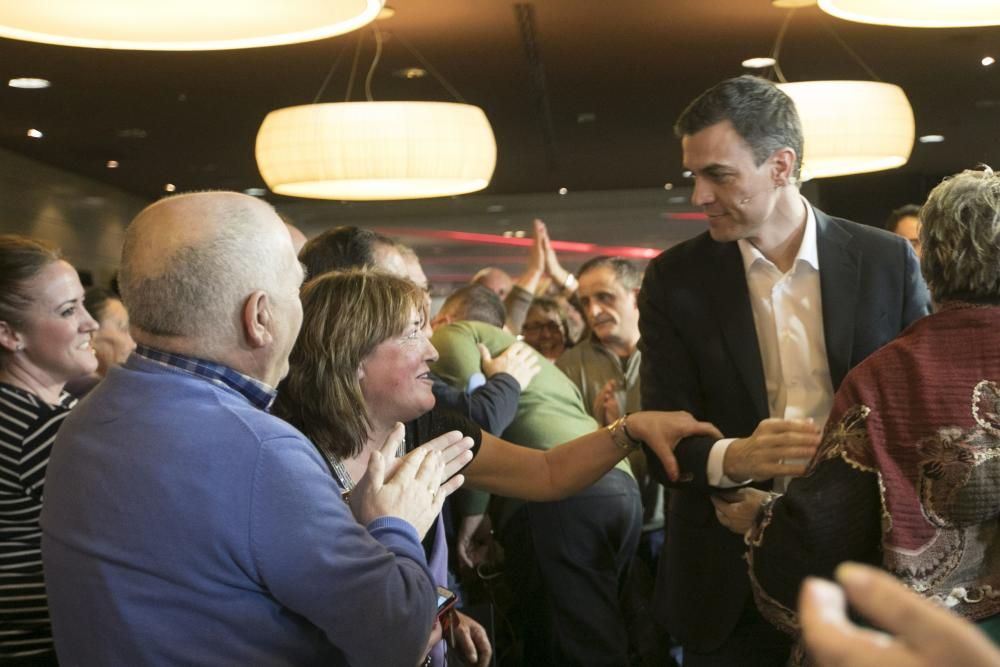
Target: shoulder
{"x": 832, "y": 227}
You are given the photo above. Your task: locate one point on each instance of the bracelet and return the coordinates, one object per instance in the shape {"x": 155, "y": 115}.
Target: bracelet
{"x": 620, "y": 435}
{"x": 570, "y": 284}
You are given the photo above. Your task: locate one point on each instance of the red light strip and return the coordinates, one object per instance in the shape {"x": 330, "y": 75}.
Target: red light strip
{"x": 497, "y": 239}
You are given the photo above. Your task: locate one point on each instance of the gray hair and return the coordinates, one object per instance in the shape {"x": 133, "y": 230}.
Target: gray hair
{"x": 625, "y": 271}
{"x": 960, "y": 234}
{"x": 761, "y": 113}
{"x": 200, "y": 287}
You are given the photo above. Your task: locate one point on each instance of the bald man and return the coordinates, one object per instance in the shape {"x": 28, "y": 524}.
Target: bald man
{"x": 185, "y": 524}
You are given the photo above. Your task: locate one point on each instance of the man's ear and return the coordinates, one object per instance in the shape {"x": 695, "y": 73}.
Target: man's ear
{"x": 10, "y": 340}
{"x": 257, "y": 319}
{"x": 784, "y": 160}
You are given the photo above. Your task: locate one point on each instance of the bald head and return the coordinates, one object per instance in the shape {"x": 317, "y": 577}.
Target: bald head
{"x": 496, "y": 280}
{"x": 298, "y": 238}
{"x": 189, "y": 263}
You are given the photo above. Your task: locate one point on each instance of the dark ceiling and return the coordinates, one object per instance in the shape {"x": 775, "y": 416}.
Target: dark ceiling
{"x": 581, "y": 94}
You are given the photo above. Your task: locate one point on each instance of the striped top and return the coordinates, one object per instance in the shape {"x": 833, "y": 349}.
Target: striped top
{"x": 28, "y": 426}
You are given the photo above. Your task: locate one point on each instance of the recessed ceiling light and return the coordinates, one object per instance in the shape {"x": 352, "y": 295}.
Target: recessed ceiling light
{"x": 931, "y": 139}
{"x": 508, "y": 234}
{"x": 255, "y": 192}
{"x": 519, "y": 234}
{"x": 677, "y": 200}
{"x": 668, "y": 186}
{"x": 410, "y": 73}
{"x": 132, "y": 133}
{"x": 686, "y": 173}
{"x": 758, "y": 63}
{"x": 170, "y": 187}
{"x": 585, "y": 117}
{"x": 495, "y": 208}
{"x": 111, "y": 164}
{"x": 35, "y": 134}
{"x": 29, "y": 83}
{"x": 563, "y": 191}
{"x": 988, "y": 60}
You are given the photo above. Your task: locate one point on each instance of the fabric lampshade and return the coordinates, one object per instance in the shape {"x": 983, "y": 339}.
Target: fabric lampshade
{"x": 376, "y": 150}
{"x": 852, "y": 127}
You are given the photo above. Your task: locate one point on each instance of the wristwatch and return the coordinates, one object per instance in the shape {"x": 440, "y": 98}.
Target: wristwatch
{"x": 620, "y": 435}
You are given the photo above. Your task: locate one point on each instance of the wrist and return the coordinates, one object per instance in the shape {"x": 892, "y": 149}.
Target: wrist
{"x": 621, "y": 436}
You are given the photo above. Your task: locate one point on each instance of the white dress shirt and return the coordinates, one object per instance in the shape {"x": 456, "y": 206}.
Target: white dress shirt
{"x": 788, "y": 318}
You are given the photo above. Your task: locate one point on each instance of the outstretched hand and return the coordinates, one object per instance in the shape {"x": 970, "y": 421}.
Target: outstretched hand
{"x": 661, "y": 431}
{"x": 777, "y": 448}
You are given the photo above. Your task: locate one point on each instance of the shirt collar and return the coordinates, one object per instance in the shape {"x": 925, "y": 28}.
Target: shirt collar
{"x": 259, "y": 394}
{"x": 807, "y": 253}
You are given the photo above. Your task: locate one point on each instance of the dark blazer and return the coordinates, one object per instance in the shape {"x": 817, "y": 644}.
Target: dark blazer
{"x": 700, "y": 354}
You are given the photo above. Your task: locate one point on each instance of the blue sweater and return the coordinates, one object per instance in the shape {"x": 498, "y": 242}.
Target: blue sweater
{"x": 181, "y": 525}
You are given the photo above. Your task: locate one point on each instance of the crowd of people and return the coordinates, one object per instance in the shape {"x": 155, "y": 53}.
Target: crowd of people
{"x": 266, "y": 450}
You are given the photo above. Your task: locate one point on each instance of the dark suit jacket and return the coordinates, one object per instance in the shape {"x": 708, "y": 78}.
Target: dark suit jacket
{"x": 700, "y": 354}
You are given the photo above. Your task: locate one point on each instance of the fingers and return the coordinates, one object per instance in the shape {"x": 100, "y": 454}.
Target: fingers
{"x": 392, "y": 441}
{"x": 410, "y": 465}
{"x": 446, "y": 490}
{"x": 484, "y": 353}
{"x": 376, "y": 471}
{"x": 702, "y": 428}
{"x": 825, "y": 628}
{"x": 775, "y": 425}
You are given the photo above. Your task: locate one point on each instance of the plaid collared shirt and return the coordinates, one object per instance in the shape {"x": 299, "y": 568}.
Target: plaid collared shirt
{"x": 259, "y": 394}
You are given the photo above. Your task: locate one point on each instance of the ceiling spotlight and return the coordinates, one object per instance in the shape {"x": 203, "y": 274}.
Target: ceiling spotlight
{"x": 29, "y": 83}
{"x": 170, "y": 187}
{"x": 410, "y": 73}
{"x": 519, "y": 234}
{"x": 495, "y": 208}
{"x": 687, "y": 173}
{"x": 988, "y": 60}
{"x": 668, "y": 186}
{"x": 255, "y": 192}
{"x": 111, "y": 164}
{"x": 563, "y": 191}
{"x": 758, "y": 63}
{"x": 508, "y": 234}
{"x": 931, "y": 139}
{"x": 35, "y": 134}
{"x": 132, "y": 133}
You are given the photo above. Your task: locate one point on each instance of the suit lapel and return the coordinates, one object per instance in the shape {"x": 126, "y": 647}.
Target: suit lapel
{"x": 839, "y": 278}
{"x": 732, "y": 305}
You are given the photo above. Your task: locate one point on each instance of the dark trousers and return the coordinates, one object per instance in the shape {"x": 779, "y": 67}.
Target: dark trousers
{"x": 568, "y": 562}
{"x": 753, "y": 643}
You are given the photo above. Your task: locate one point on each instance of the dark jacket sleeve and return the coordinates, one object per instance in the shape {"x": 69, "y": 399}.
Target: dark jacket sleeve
{"x": 492, "y": 406}
{"x": 669, "y": 380}
{"x": 916, "y": 300}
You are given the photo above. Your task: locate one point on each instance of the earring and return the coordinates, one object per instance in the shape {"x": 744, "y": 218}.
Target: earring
{"x": 19, "y": 347}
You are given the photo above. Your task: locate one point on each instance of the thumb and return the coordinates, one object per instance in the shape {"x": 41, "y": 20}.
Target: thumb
{"x": 376, "y": 471}
{"x": 484, "y": 352}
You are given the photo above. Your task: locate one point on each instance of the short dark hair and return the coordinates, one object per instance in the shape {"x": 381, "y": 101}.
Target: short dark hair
{"x": 761, "y": 113}
{"x": 625, "y": 271}
{"x": 21, "y": 259}
{"x": 905, "y": 211}
{"x": 95, "y": 300}
{"x": 340, "y": 249}
{"x": 476, "y": 303}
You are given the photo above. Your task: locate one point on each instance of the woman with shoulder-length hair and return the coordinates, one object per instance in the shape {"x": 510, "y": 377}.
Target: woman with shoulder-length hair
{"x": 360, "y": 368}
{"x": 908, "y": 474}
{"x": 45, "y": 341}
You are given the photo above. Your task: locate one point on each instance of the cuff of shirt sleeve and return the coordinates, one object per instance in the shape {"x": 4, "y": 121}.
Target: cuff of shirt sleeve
{"x": 716, "y": 477}
{"x": 390, "y": 529}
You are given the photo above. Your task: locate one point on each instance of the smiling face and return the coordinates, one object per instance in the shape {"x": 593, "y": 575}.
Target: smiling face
{"x": 395, "y": 377}
{"x": 55, "y": 336}
{"x": 737, "y": 195}
{"x": 543, "y": 330}
{"x": 609, "y": 307}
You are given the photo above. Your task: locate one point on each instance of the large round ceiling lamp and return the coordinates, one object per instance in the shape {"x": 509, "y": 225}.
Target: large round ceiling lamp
{"x": 916, "y": 13}
{"x": 181, "y": 25}
{"x": 852, "y": 127}
{"x": 364, "y": 151}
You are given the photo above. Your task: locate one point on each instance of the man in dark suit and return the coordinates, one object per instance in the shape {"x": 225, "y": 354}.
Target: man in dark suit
{"x": 752, "y": 326}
